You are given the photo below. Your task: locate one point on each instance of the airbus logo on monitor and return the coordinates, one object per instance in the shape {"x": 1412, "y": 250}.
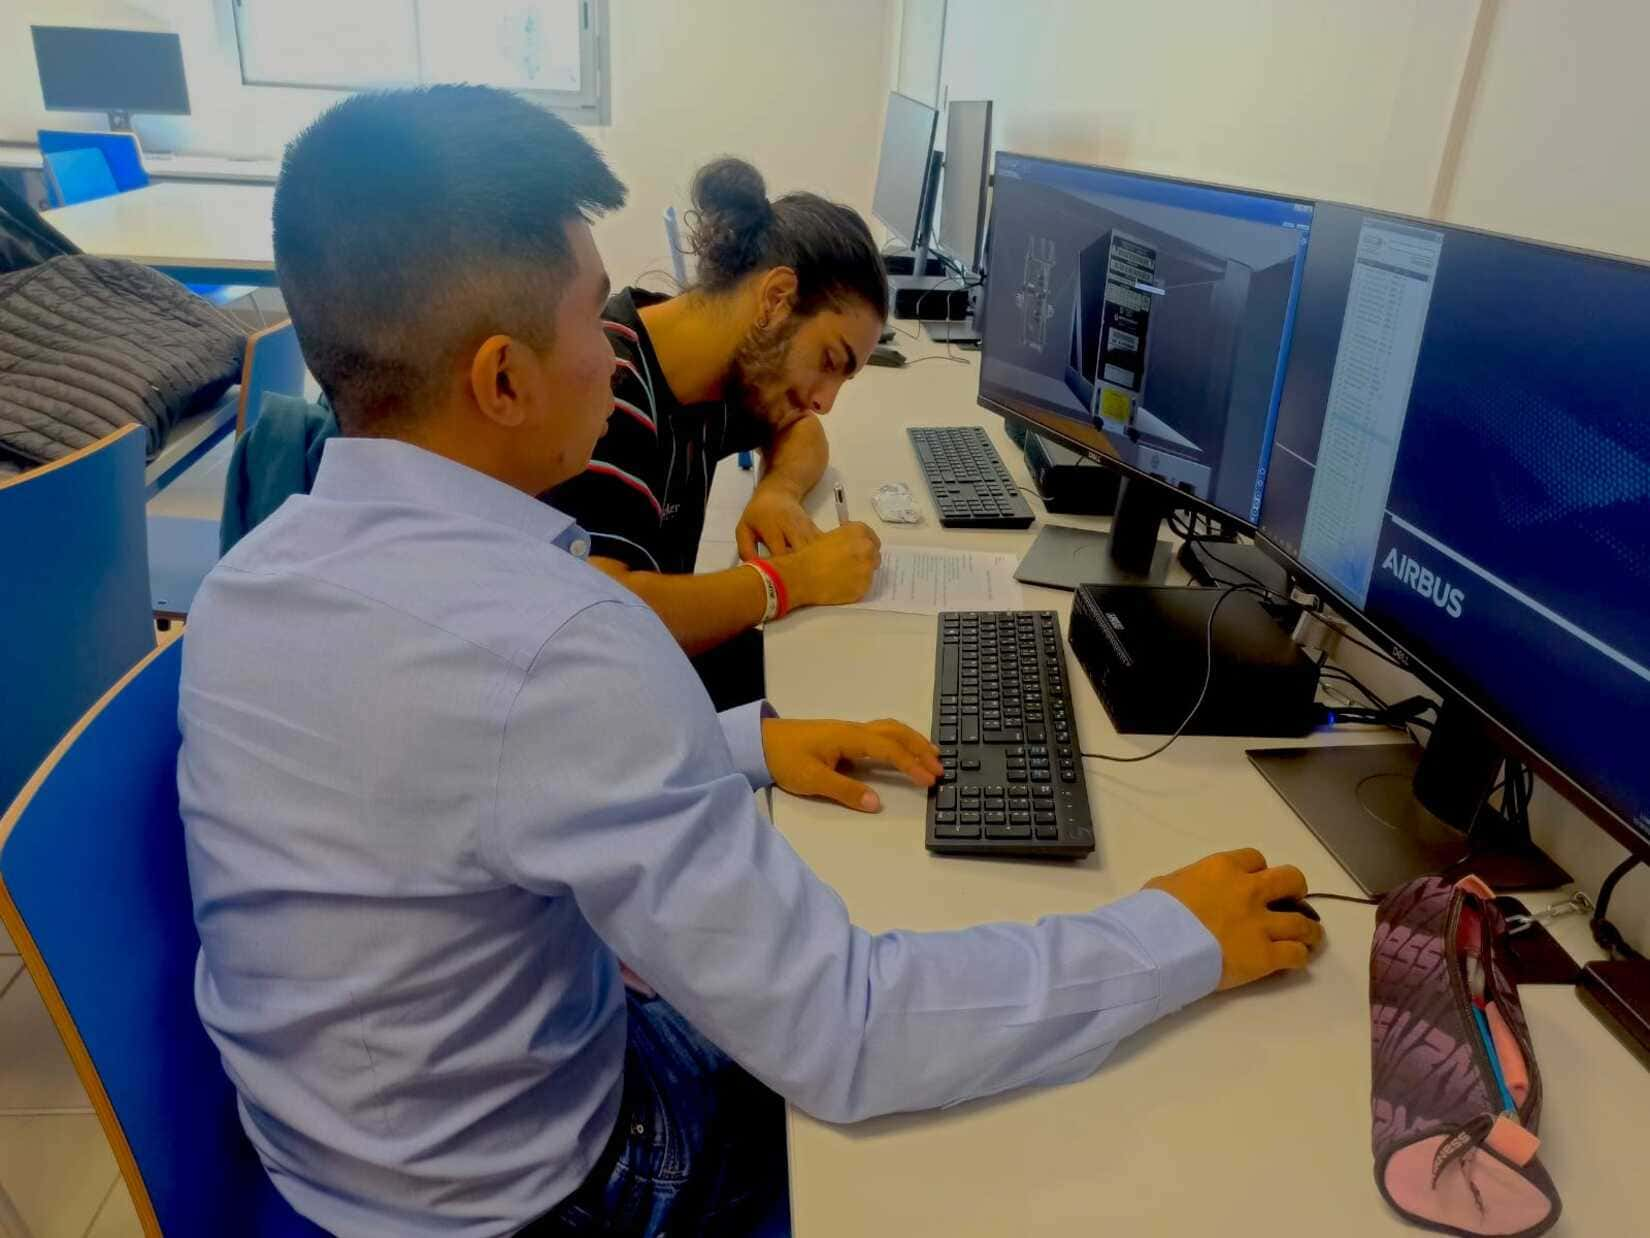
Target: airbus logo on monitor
{"x": 1425, "y": 582}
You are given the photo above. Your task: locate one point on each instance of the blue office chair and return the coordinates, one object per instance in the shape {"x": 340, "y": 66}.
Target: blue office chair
{"x": 94, "y": 889}
{"x": 76, "y": 593}
{"x": 119, "y": 150}
{"x": 182, "y": 549}
{"x": 78, "y": 176}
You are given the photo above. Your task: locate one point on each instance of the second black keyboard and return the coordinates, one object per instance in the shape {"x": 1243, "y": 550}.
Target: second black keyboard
{"x": 1013, "y": 781}
{"x": 968, "y": 479}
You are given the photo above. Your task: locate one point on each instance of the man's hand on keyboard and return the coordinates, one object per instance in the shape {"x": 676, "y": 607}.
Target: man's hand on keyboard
{"x": 834, "y": 569}
{"x": 808, "y": 757}
{"x": 1228, "y": 892}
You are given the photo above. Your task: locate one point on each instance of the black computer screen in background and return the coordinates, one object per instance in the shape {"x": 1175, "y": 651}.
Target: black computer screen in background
{"x": 102, "y": 70}
{"x": 1462, "y": 453}
{"x": 1151, "y": 312}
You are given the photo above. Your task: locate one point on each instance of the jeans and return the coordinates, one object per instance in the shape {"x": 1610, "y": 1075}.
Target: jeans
{"x": 698, "y": 1148}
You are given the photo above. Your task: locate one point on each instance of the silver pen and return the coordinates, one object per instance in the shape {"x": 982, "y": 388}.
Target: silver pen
{"x": 841, "y": 504}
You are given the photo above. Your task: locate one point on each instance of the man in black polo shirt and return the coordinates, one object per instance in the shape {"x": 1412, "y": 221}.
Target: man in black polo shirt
{"x": 789, "y": 302}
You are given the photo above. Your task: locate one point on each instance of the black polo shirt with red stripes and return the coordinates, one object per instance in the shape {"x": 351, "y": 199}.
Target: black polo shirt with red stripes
{"x": 642, "y": 500}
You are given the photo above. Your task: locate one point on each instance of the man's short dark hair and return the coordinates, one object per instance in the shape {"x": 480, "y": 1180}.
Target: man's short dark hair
{"x": 412, "y": 224}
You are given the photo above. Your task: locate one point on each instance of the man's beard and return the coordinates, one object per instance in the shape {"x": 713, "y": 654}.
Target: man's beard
{"x": 756, "y": 377}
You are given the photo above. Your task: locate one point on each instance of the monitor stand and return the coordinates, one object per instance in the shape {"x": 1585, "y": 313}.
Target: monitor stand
{"x": 1390, "y": 813}
{"x": 1063, "y": 557}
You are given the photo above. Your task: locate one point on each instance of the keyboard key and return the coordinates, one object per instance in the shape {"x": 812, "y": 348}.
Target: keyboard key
{"x": 968, "y": 818}
{"x": 1006, "y": 830}
{"x": 1019, "y": 818}
{"x": 1047, "y": 831}
{"x": 1016, "y": 775}
{"x": 971, "y": 763}
{"x": 947, "y": 798}
{"x": 947, "y": 735}
{"x": 945, "y": 818}
{"x": 960, "y": 830}
{"x": 1067, "y": 775}
{"x": 995, "y": 818}
{"x": 1045, "y": 818}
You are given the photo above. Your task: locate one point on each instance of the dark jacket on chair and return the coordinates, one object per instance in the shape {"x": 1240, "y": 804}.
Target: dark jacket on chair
{"x": 274, "y": 460}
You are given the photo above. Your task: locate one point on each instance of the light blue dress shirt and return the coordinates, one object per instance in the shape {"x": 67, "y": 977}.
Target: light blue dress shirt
{"x": 438, "y": 775}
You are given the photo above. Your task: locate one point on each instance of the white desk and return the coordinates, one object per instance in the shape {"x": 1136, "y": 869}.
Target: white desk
{"x": 1248, "y": 1113}
{"x": 199, "y": 233}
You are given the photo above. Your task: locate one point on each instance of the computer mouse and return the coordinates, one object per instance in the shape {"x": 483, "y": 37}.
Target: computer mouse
{"x": 1299, "y": 906}
{"x": 882, "y": 355}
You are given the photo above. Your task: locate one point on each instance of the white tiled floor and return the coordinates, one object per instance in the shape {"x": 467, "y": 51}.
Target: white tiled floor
{"x": 54, "y": 1161}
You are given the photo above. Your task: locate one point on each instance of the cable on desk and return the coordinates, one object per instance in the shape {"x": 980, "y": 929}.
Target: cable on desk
{"x": 961, "y": 280}
{"x": 1208, "y": 677}
{"x": 1345, "y": 898}
{"x": 1201, "y": 541}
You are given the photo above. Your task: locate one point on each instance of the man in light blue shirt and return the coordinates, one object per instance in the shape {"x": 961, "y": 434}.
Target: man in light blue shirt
{"x": 439, "y": 776}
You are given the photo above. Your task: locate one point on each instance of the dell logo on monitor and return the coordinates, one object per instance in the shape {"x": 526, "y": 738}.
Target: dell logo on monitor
{"x": 1424, "y": 582}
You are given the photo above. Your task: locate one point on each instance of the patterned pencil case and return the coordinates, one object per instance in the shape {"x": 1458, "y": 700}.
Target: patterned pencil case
{"x": 1455, "y": 1091}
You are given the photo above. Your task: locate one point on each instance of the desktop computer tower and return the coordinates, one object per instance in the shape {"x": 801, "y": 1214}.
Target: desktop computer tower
{"x": 1067, "y": 481}
{"x": 1146, "y": 650}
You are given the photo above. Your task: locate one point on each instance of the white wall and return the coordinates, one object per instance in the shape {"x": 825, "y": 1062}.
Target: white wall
{"x": 1556, "y": 147}
{"x": 1344, "y": 99}
{"x": 797, "y": 87}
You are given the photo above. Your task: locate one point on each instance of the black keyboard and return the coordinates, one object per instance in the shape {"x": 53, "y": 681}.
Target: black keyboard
{"x": 970, "y": 484}
{"x": 1013, "y": 781}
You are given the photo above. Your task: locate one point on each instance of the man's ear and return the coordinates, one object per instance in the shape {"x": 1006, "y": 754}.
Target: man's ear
{"x": 496, "y": 381}
{"x": 776, "y": 297}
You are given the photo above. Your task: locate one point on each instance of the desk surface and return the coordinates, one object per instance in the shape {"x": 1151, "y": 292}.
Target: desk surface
{"x": 177, "y": 224}
{"x": 1247, "y": 1113}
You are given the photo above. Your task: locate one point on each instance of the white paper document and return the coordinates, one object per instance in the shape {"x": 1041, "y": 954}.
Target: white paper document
{"x": 924, "y": 581}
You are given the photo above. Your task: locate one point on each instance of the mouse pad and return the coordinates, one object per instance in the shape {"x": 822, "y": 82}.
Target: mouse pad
{"x": 1534, "y": 956}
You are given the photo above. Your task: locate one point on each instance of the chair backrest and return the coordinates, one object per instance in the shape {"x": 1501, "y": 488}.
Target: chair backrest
{"x": 78, "y": 176}
{"x": 274, "y": 366}
{"x": 75, "y": 602}
{"x": 120, "y": 151}
{"x": 673, "y": 236}
{"x": 94, "y": 889}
